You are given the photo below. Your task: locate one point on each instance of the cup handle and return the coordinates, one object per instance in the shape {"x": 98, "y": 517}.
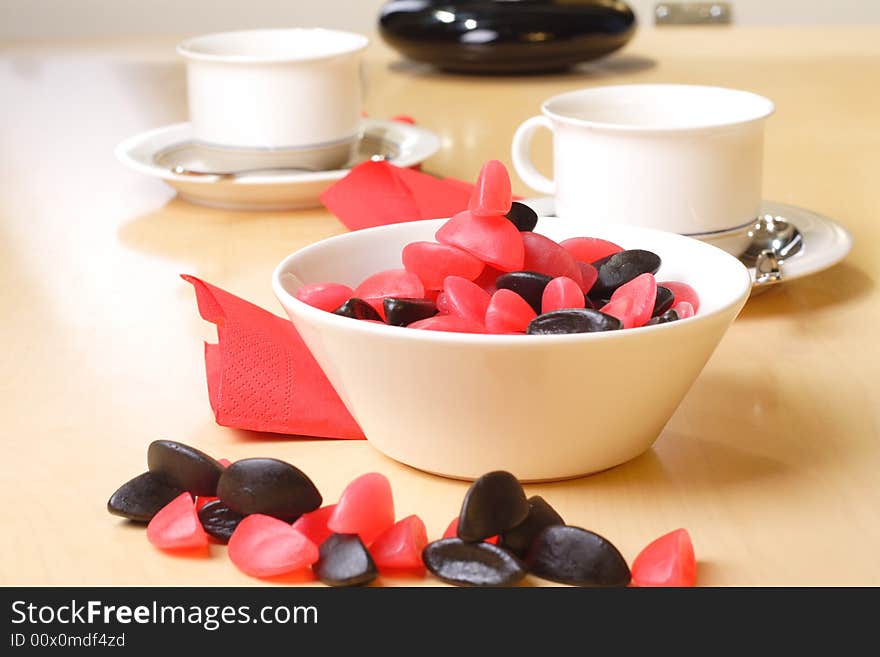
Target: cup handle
{"x": 522, "y": 161}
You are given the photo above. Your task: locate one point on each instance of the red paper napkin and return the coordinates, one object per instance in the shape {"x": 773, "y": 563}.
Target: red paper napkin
{"x": 379, "y": 193}
{"x": 261, "y": 375}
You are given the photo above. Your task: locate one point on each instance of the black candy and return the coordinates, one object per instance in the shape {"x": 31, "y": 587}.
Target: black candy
{"x": 527, "y": 284}
{"x": 219, "y": 520}
{"x": 665, "y": 318}
{"x": 402, "y": 311}
{"x": 141, "y": 498}
{"x": 522, "y": 216}
{"x": 620, "y": 268}
{"x": 344, "y": 561}
{"x": 571, "y": 555}
{"x": 358, "y": 309}
{"x": 493, "y": 504}
{"x": 519, "y": 539}
{"x": 268, "y": 486}
{"x": 184, "y": 467}
{"x": 472, "y": 564}
{"x": 573, "y": 320}
{"x": 665, "y": 299}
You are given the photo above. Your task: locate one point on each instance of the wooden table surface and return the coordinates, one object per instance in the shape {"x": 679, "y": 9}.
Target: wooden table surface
{"x": 772, "y": 461}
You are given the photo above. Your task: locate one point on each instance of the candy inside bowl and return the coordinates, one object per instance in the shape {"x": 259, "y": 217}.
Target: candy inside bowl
{"x": 543, "y": 407}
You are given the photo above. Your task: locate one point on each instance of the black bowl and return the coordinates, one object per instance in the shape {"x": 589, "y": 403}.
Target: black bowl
{"x": 506, "y": 36}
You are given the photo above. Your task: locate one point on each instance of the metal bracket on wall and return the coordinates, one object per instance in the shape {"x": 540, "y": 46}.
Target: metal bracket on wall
{"x": 693, "y": 13}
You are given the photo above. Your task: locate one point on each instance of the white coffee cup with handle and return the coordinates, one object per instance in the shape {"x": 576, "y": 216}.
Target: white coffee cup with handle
{"x": 292, "y": 95}
{"x": 681, "y": 158}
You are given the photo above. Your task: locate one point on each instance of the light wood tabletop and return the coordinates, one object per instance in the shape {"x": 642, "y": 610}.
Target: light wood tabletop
{"x": 772, "y": 461}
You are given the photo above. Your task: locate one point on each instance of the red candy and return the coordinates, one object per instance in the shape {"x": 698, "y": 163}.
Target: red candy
{"x": 632, "y": 303}
{"x": 589, "y": 249}
{"x": 589, "y": 274}
{"x": 683, "y": 309}
{"x": 544, "y": 256}
{"x": 399, "y": 548}
{"x": 202, "y": 501}
{"x": 510, "y": 313}
{"x": 366, "y": 508}
{"x": 492, "y": 239}
{"x": 452, "y": 532}
{"x": 465, "y": 299}
{"x": 262, "y": 546}
{"x": 667, "y": 561}
{"x": 389, "y": 283}
{"x": 313, "y": 525}
{"x": 226, "y": 462}
{"x": 176, "y": 526}
{"x": 487, "y": 279}
{"x": 433, "y": 262}
{"x": 491, "y": 195}
{"x": 326, "y": 296}
{"x": 562, "y": 292}
{"x": 449, "y": 323}
{"x": 683, "y": 292}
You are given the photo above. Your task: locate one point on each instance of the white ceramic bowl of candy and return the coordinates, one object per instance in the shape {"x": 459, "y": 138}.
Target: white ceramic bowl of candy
{"x": 543, "y": 407}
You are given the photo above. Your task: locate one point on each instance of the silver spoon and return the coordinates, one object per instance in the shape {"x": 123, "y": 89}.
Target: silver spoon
{"x": 773, "y": 240}
{"x": 181, "y": 170}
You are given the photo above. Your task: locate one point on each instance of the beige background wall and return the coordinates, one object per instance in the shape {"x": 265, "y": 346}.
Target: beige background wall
{"x": 35, "y": 18}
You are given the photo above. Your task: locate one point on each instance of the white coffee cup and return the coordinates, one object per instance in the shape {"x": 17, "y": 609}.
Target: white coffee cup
{"x": 682, "y": 158}
{"x": 295, "y": 94}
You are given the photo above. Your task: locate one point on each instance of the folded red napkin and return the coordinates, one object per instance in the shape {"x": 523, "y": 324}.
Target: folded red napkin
{"x": 379, "y": 193}
{"x": 261, "y": 375}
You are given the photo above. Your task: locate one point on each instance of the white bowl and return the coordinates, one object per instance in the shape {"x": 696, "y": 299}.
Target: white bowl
{"x": 542, "y": 407}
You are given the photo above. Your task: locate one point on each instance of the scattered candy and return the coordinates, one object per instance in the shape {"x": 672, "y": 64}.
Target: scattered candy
{"x": 141, "y": 498}
{"x": 465, "y": 299}
{"x": 541, "y": 515}
{"x": 402, "y": 312}
{"x": 590, "y": 249}
{"x": 509, "y": 313}
{"x": 344, "y": 561}
{"x": 326, "y": 296}
{"x": 683, "y": 292}
{"x": 433, "y": 262}
{"x": 449, "y": 323}
{"x": 399, "y": 548}
{"x": 184, "y": 467}
{"x": 262, "y": 546}
{"x": 571, "y": 555}
{"x": 472, "y": 564}
{"x": 491, "y": 195}
{"x": 583, "y": 320}
{"x": 218, "y": 520}
{"x": 313, "y": 525}
{"x": 683, "y": 309}
{"x": 589, "y": 274}
{"x": 366, "y": 508}
{"x": 493, "y": 504}
{"x": 487, "y": 279}
{"x": 176, "y": 526}
{"x": 452, "y": 531}
{"x": 663, "y": 302}
{"x": 269, "y": 487}
{"x": 665, "y": 318}
{"x": 529, "y": 285}
{"x": 358, "y": 309}
{"x": 666, "y": 561}
{"x": 561, "y": 293}
{"x": 544, "y": 256}
{"x": 622, "y": 267}
{"x": 523, "y": 217}
{"x": 492, "y": 239}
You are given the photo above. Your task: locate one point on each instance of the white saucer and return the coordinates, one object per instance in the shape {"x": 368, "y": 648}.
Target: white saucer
{"x": 825, "y": 241}
{"x": 403, "y": 145}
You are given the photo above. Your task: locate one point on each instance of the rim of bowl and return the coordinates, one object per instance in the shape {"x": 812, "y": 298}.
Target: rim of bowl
{"x": 486, "y": 339}
{"x": 189, "y": 48}
{"x": 769, "y": 107}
